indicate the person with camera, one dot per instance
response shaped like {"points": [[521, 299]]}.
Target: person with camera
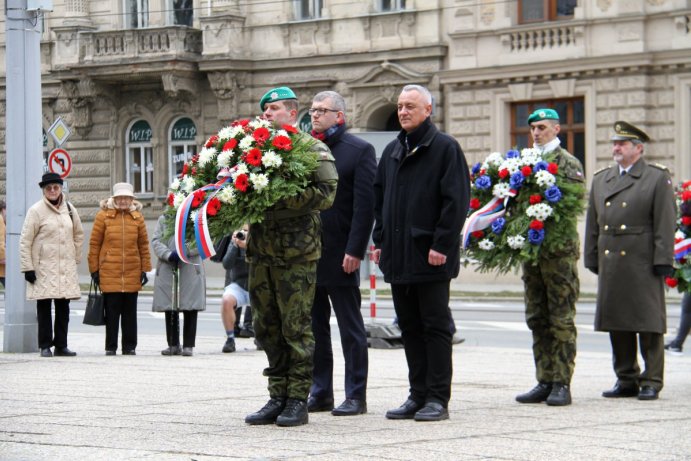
{"points": [[235, 294], [188, 295]]}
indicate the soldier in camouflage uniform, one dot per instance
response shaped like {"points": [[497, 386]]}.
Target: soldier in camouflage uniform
{"points": [[551, 285], [283, 251]]}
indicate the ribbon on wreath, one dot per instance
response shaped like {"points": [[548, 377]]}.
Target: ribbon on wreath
{"points": [[682, 249], [483, 218], [203, 239]]}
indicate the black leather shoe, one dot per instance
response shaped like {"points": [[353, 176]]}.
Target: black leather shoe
{"points": [[129, 353], [110, 352], [315, 404], [64, 352], [405, 411], [294, 414], [560, 395], [46, 352], [229, 346], [432, 411], [172, 350], [268, 413], [648, 393], [350, 407], [621, 391], [538, 394]]}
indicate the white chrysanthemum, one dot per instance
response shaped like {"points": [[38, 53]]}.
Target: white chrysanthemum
{"points": [[227, 132], [246, 143], [501, 190], [178, 199], [175, 185], [545, 179], [240, 168], [223, 159], [193, 215], [271, 159], [282, 133], [495, 159], [516, 242], [530, 152], [187, 184], [530, 157], [259, 180], [679, 235], [511, 164], [260, 122], [539, 211], [485, 244], [226, 195], [206, 155]]}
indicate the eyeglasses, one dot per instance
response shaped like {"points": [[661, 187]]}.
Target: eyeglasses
{"points": [[321, 112], [52, 187]]}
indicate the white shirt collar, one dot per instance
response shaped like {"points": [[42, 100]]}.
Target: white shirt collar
{"points": [[550, 146]]}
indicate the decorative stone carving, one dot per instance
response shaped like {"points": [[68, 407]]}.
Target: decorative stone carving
{"points": [[80, 96], [178, 86], [227, 86], [604, 4]]}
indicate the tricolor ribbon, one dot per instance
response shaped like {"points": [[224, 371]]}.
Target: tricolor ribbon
{"points": [[483, 218], [682, 248], [205, 244]]}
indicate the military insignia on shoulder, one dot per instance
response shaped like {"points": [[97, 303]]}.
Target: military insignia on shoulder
{"points": [[604, 168], [659, 166]]}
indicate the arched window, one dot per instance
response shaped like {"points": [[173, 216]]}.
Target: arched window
{"points": [[182, 145], [140, 164]]}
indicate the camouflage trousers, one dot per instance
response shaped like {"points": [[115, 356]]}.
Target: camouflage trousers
{"points": [[281, 299], [551, 291]]}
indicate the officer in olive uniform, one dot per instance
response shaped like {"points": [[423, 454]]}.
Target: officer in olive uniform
{"points": [[552, 285], [283, 251], [629, 243]]}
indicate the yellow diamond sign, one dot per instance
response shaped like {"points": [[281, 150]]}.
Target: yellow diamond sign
{"points": [[59, 131]]}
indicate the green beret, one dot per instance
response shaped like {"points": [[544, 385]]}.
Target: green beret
{"points": [[624, 131], [277, 94], [543, 114]]}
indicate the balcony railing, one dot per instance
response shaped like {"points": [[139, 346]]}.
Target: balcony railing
{"points": [[552, 37]]}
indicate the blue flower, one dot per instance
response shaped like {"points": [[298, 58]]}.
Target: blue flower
{"points": [[498, 225], [536, 236], [540, 166], [513, 154], [553, 194], [516, 180], [483, 182], [476, 168]]}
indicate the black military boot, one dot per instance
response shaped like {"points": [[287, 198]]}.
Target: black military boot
{"points": [[537, 394], [268, 413], [560, 395], [294, 414]]}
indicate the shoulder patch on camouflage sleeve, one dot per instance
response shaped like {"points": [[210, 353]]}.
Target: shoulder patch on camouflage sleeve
{"points": [[659, 166]]}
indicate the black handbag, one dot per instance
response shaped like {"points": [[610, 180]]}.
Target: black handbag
{"points": [[94, 314]]}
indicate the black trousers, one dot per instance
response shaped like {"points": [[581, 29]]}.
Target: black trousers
{"points": [[121, 308], [625, 359], [346, 305], [423, 316], [189, 328], [45, 320]]}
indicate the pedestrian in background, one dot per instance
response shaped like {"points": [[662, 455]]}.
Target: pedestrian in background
{"points": [[282, 277], [552, 285], [676, 346], [50, 248], [346, 229], [119, 259], [191, 291], [235, 294], [629, 243], [422, 192]]}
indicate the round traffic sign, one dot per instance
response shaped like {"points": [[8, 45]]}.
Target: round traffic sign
{"points": [[60, 162]]}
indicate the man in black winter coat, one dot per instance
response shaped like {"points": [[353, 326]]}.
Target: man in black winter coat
{"points": [[346, 228], [422, 192]]}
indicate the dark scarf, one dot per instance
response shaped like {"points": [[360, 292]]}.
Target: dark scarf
{"points": [[330, 132], [412, 139]]}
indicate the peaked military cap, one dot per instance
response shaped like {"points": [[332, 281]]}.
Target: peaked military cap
{"points": [[276, 94], [543, 114], [624, 131]]}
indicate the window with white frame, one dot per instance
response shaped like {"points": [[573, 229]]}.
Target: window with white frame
{"points": [[391, 5], [136, 14], [181, 12], [308, 9], [140, 158], [182, 146]]}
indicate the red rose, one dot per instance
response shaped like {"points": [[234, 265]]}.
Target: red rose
{"points": [[482, 172], [553, 168], [241, 182], [261, 134], [254, 157], [213, 207], [282, 143], [536, 224], [185, 169], [290, 128], [526, 171], [503, 173], [671, 282], [535, 198], [230, 145], [194, 171], [198, 198], [212, 140], [686, 220], [686, 195], [171, 199], [686, 184], [478, 234], [474, 203]]}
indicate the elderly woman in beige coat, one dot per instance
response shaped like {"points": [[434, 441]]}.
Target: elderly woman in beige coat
{"points": [[50, 250]]}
